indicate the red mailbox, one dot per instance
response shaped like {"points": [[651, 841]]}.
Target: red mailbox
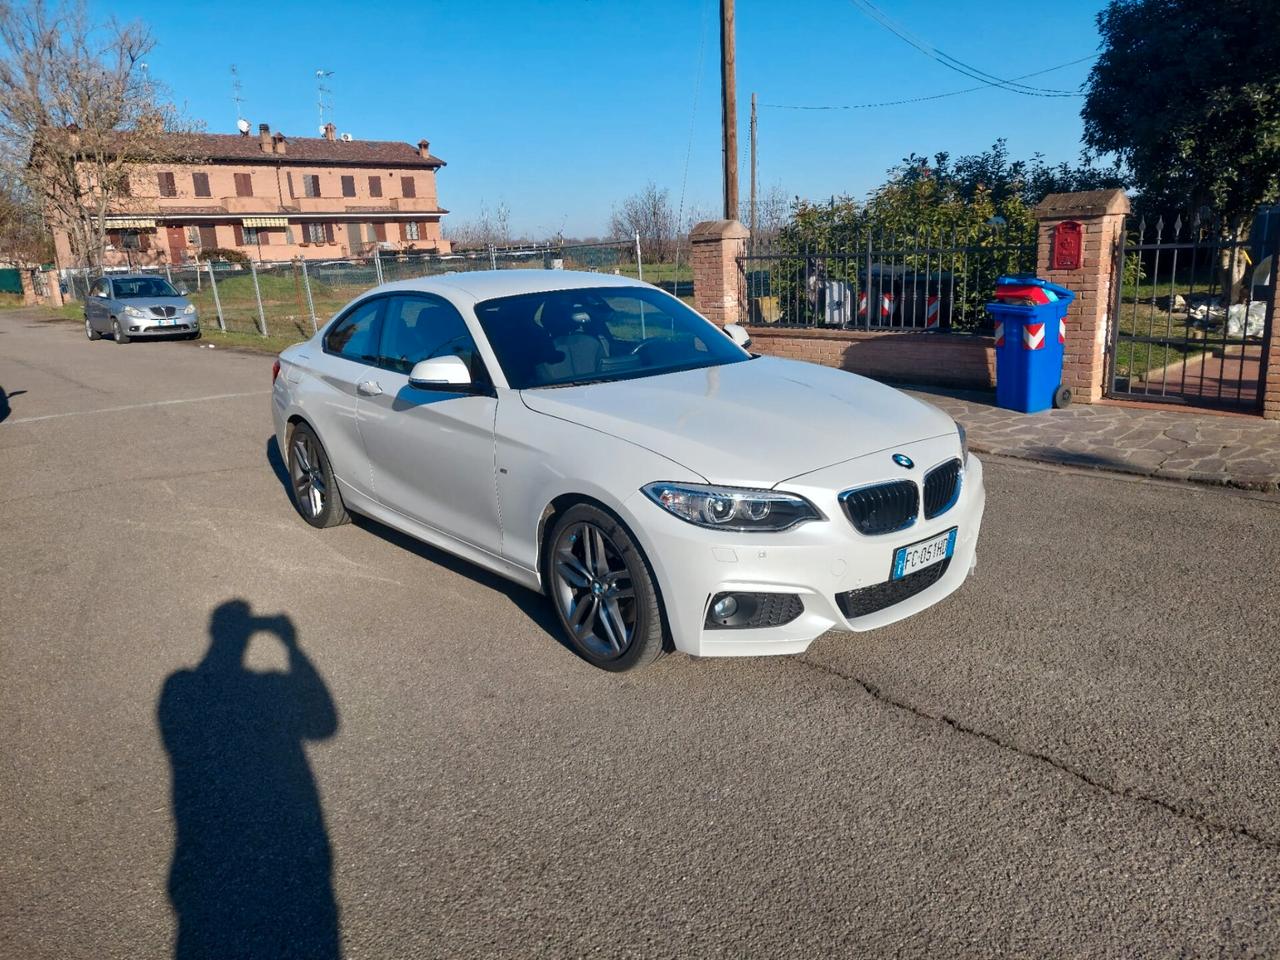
{"points": [[1067, 243]]}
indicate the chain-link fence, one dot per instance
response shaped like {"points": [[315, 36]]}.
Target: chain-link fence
{"points": [[290, 299]]}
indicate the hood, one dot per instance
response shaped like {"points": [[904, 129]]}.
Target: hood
{"points": [[178, 302], [754, 423]]}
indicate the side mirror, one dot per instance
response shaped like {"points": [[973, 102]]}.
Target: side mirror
{"points": [[440, 373], [183, 291], [738, 334]]}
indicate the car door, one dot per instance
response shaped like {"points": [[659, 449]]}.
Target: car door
{"points": [[95, 306], [347, 359], [431, 450]]}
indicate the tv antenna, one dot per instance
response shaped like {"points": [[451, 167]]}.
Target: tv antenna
{"points": [[237, 98], [323, 105]]}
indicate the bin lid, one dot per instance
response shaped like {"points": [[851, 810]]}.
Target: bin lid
{"points": [[1032, 287]]}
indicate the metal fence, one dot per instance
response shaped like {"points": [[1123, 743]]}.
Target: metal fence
{"points": [[883, 281], [291, 299], [1194, 307]]}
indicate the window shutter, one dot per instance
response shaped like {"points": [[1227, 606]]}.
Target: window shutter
{"points": [[208, 237], [328, 233], [348, 186], [375, 186], [407, 188], [244, 185], [380, 231], [167, 186], [422, 230], [144, 239], [289, 177], [200, 183], [238, 230]]}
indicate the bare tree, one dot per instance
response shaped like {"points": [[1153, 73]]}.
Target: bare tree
{"points": [[78, 111], [649, 214], [491, 227], [773, 210], [23, 236]]}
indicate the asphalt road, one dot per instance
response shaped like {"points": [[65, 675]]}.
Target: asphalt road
{"points": [[1075, 755]]}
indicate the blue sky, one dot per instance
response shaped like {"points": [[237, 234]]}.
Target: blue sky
{"points": [[561, 109]]}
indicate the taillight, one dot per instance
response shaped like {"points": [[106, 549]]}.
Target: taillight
{"points": [[275, 370]]}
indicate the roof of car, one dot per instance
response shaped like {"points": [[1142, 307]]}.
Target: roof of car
{"points": [[487, 284], [131, 276]]}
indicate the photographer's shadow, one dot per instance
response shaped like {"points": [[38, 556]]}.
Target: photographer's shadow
{"points": [[252, 870]]}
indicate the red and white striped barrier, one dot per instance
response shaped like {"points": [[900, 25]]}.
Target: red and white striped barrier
{"points": [[999, 333], [1033, 336], [886, 305], [1062, 331], [931, 312]]}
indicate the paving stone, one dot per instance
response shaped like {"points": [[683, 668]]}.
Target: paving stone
{"points": [[1185, 445]]}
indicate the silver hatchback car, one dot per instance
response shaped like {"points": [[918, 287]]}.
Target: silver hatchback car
{"points": [[129, 306]]}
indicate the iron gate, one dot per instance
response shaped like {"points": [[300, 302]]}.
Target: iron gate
{"points": [[1192, 314]]}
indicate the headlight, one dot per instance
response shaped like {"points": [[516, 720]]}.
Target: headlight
{"points": [[189, 309], [964, 443], [134, 312], [732, 508]]}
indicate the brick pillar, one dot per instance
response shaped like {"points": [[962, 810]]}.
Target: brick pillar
{"points": [[1101, 214], [27, 277], [54, 286], [717, 279], [1271, 362]]}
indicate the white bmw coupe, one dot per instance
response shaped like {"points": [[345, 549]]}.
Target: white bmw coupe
{"points": [[594, 438]]}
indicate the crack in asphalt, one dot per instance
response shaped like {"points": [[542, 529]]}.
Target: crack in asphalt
{"points": [[1177, 810]]}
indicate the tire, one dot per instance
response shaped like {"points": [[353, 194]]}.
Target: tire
{"points": [[194, 336], [1062, 397], [619, 627], [315, 490], [117, 332], [89, 332]]}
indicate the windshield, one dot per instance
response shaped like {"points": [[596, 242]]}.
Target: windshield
{"points": [[597, 334], [142, 287]]}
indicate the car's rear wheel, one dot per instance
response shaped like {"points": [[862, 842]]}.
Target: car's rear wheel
{"points": [[315, 490], [117, 331], [603, 590], [89, 332]]}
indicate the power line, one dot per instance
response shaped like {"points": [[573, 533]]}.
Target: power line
{"points": [[933, 96], [951, 63]]}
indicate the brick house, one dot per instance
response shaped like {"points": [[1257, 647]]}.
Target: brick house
{"points": [[274, 198]]}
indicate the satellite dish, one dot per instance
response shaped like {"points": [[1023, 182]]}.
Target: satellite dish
{"points": [[321, 129], [242, 125], [346, 138]]}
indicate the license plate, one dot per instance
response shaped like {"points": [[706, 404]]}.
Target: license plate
{"points": [[167, 321], [925, 553]]}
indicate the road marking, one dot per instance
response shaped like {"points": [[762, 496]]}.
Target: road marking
{"points": [[141, 406]]}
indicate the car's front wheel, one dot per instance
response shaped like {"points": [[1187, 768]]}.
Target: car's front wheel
{"points": [[117, 332], [603, 590], [315, 489]]}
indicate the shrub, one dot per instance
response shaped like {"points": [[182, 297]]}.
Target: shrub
{"points": [[222, 253]]}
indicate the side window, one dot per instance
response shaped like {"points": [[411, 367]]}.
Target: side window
{"points": [[355, 336], [100, 288], [419, 327]]}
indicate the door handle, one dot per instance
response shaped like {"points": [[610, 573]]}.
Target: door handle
{"points": [[369, 388]]}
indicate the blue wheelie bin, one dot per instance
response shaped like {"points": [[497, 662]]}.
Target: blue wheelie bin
{"points": [[1030, 326]]}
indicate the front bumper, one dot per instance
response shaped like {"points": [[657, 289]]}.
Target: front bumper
{"points": [[151, 326], [817, 561]]}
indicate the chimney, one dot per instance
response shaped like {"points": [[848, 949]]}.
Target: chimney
{"points": [[424, 149], [279, 143], [330, 132], [73, 136], [264, 137]]}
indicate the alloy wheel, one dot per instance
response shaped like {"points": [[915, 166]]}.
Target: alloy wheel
{"points": [[307, 476], [594, 590]]}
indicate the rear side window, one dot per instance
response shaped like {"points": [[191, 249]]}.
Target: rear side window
{"points": [[355, 336]]}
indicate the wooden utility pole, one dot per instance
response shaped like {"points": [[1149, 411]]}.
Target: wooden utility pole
{"points": [[729, 110], [753, 166]]}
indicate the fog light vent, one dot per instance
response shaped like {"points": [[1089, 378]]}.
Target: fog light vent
{"points": [[752, 611]]}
